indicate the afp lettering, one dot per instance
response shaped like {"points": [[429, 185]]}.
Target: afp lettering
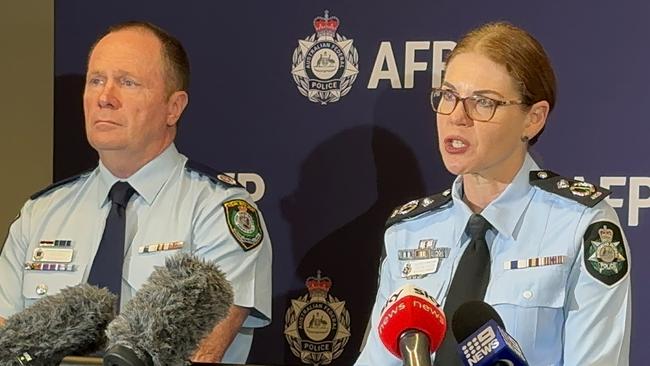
{"points": [[385, 66]]}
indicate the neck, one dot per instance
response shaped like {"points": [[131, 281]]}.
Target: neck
{"points": [[480, 189], [124, 164]]}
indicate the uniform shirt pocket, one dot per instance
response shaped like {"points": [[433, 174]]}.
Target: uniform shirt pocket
{"points": [[38, 284], [141, 265], [529, 287], [530, 301]]}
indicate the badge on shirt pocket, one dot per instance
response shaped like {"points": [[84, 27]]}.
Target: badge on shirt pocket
{"points": [[55, 255], [422, 261]]}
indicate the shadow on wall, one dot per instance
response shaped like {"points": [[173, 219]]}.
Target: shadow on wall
{"points": [[336, 179], [72, 153]]}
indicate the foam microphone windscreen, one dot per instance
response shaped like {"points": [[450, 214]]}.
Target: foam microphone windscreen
{"points": [[70, 322], [472, 315], [175, 309]]}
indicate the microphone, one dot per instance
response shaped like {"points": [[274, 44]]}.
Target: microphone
{"points": [[69, 322], [412, 325], [175, 309], [482, 339]]}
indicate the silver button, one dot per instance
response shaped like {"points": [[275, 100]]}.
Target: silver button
{"points": [[528, 294], [542, 175], [41, 289]]}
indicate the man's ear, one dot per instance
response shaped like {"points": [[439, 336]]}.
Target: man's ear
{"points": [[175, 106]]}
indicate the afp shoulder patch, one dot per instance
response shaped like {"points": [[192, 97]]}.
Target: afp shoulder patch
{"points": [[244, 223], [215, 176], [58, 184], [582, 192], [417, 207], [604, 252]]}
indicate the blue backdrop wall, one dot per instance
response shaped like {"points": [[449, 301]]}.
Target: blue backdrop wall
{"points": [[327, 160]]}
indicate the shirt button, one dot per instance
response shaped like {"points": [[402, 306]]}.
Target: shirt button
{"points": [[41, 289], [528, 294]]}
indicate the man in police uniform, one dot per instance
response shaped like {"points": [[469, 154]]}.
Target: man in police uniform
{"points": [[135, 93]]}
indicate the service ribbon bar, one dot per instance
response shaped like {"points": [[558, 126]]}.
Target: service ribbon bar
{"points": [[58, 267], [535, 262], [161, 247]]}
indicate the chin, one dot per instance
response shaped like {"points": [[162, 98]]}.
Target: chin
{"points": [[454, 165], [107, 144]]}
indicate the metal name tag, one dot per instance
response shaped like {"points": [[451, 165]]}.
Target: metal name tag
{"points": [[54, 255], [420, 268]]}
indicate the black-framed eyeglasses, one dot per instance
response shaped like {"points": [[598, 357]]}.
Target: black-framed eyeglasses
{"points": [[477, 107]]}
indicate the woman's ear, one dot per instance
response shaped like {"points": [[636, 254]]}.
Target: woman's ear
{"points": [[536, 119]]}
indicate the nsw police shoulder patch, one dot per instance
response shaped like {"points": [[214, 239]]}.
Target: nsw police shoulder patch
{"points": [[604, 252], [244, 223]]}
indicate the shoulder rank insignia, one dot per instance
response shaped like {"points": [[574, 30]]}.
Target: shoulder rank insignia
{"points": [[244, 223], [417, 207], [604, 252], [60, 183], [221, 179], [582, 192]]}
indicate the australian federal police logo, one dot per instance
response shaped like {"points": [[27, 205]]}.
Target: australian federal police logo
{"points": [[317, 325], [325, 64], [604, 252]]}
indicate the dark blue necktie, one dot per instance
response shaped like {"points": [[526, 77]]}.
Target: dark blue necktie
{"points": [[106, 270], [469, 283]]}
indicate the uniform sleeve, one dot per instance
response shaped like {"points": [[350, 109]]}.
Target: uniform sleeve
{"points": [[598, 305], [374, 353], [11, 265], [232, 232]]}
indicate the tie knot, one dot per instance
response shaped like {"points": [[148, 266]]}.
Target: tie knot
{"points": [[477, 226], [121, 193]]}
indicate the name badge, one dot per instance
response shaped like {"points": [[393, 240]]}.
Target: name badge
{"points": [[420, 268], [161, 247], [52, 255]]}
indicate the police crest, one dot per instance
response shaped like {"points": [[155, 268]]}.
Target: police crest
{"points": [[325, 64], [604, 252], [317, 325]]}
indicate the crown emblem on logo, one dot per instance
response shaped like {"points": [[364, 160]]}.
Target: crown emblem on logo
{"points": [[606, 235], [326, 26], [318, 286]]}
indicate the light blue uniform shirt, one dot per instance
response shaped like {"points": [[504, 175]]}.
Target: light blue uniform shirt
{"points": [[172, 203], [559, 314]]}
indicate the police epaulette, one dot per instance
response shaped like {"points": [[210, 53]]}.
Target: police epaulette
{"points": [[417, 207], [59, 184], [581, 192], [214, 176]]}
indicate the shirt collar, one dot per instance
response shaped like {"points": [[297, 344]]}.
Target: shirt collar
{"points": [[147, 181], [506, 210]]}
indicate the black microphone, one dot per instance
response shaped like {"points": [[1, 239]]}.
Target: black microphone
{"points": [[70, 322], [482, 339], [174, 310]]}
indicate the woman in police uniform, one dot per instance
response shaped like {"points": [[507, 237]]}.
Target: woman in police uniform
{"points": [[557, 263]]}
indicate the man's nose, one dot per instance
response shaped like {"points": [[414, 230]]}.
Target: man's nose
{"points": [[109, 98]]}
